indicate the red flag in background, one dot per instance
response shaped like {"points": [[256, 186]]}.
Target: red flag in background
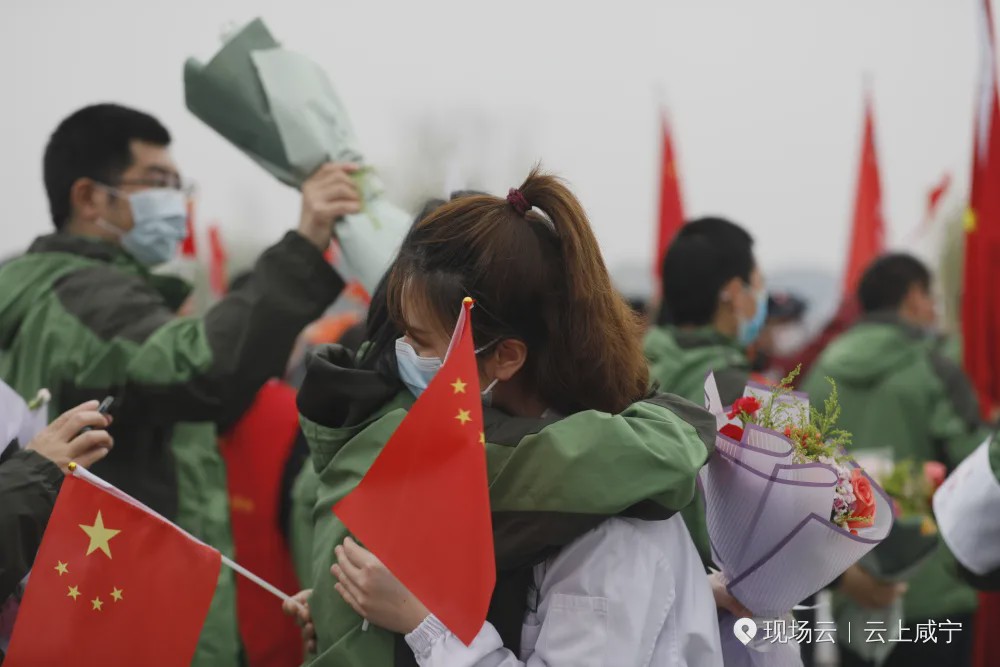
{"points": [[980, 284], [671, 205], [189, 247], [112, 584], [218, 277], [980, 288], [868, 227], [934, 196], [256, 450], [423, 508]]}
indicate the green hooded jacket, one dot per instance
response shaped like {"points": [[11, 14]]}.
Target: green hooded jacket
{"points": [[551, 480], [679, 362], [897, 391], [80, 317]]}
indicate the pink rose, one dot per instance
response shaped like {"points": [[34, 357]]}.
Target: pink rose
{"points": [[864, 501], [935, 472]]}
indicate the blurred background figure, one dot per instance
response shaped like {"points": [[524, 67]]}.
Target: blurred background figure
{"points": [[784, 335], [899, 394]]}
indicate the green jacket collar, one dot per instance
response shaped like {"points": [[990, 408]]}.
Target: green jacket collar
{"points": [[173, 290], [891, 318], [703, 337]]}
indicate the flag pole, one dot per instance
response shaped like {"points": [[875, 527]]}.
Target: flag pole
{"points": [[255, 579], [87, 476]]}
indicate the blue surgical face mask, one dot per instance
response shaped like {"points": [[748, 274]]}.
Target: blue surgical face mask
{"points": [[159, 217], [416, 371], [750, 329]]}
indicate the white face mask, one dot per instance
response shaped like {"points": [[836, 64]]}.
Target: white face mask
{"points": [[416, 372], [159, 217], [789, 339]]}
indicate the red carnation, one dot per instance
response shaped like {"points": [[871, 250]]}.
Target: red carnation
{"points": [[747, 405], [732, 431]]}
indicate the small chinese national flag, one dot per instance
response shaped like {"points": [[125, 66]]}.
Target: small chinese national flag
{"points": [[423, 508], [112, 584]]}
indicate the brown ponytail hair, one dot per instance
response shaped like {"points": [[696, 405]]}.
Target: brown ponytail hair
{"points": [[537, 277]]}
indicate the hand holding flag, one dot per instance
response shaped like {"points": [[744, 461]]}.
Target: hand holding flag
{"points": [[423, 507], [107, 567]]}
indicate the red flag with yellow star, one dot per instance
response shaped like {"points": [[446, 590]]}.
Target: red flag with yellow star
{"points": [[112, 584], [423, 508]]}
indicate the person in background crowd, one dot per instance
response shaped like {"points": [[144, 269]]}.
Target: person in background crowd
{"points": [[81, 313], [714, 305], [897, 391], [544, 385], [30, 479], [784, 334]]}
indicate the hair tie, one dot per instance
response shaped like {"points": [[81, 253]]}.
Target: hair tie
{"points": [[520, 203]]}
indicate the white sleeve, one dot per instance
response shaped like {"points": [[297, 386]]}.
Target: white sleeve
{"points": [[434, 646], [602, 603]]}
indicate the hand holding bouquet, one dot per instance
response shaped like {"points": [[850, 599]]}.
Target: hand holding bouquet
{"points": [[787, 510]]}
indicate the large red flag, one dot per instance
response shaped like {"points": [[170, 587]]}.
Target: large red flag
{"points": [[112, 584], [868, 226], [980, 288], [981, 285], [423, 508], [671, 205], [218, 276]]}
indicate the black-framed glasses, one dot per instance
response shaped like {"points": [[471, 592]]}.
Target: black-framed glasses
{"points": [[171, 182]]}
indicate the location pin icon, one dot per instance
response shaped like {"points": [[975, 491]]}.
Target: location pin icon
{"points": [[745, 630]]}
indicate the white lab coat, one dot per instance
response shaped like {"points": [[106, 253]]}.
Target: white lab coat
{"points": [[627, 593]]}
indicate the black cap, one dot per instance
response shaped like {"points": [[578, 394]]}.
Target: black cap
{"points": [[785, 306]]}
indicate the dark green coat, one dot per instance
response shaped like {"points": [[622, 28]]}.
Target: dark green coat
{"points": [[679, 362], [551, 480], [29, 484], [83, 319], [899, 392]]}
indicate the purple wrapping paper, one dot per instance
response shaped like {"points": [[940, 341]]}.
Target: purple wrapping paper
{"points": [[769, 524]]}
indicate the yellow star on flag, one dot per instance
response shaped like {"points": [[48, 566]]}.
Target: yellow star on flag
{"points": [[482, 439], [458, 386], [969, 220], [74, 592], [61, 568], [99, 536], [97, 604], [117, 594], [463, 416]]}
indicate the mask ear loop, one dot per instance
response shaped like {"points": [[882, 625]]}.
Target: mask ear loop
{"points": [[105, 224], [489, 387]]}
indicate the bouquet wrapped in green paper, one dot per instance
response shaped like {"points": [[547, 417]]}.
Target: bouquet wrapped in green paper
{"points": [[280, 108]]}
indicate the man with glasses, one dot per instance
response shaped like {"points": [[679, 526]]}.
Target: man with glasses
{"points": [[82, 315]]}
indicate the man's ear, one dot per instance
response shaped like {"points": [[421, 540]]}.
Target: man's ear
{"points": [[87, 199]]}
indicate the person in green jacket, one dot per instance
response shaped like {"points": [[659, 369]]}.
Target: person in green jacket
{"points": [[82, 314], [573, 435], [901, 395], [714, 305]]}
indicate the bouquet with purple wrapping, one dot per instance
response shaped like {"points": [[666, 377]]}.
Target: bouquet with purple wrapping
{"points": [[787, 511], [912, 541]]}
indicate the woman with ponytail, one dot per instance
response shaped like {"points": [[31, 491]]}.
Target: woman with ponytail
{"points": [[587, 468]]}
